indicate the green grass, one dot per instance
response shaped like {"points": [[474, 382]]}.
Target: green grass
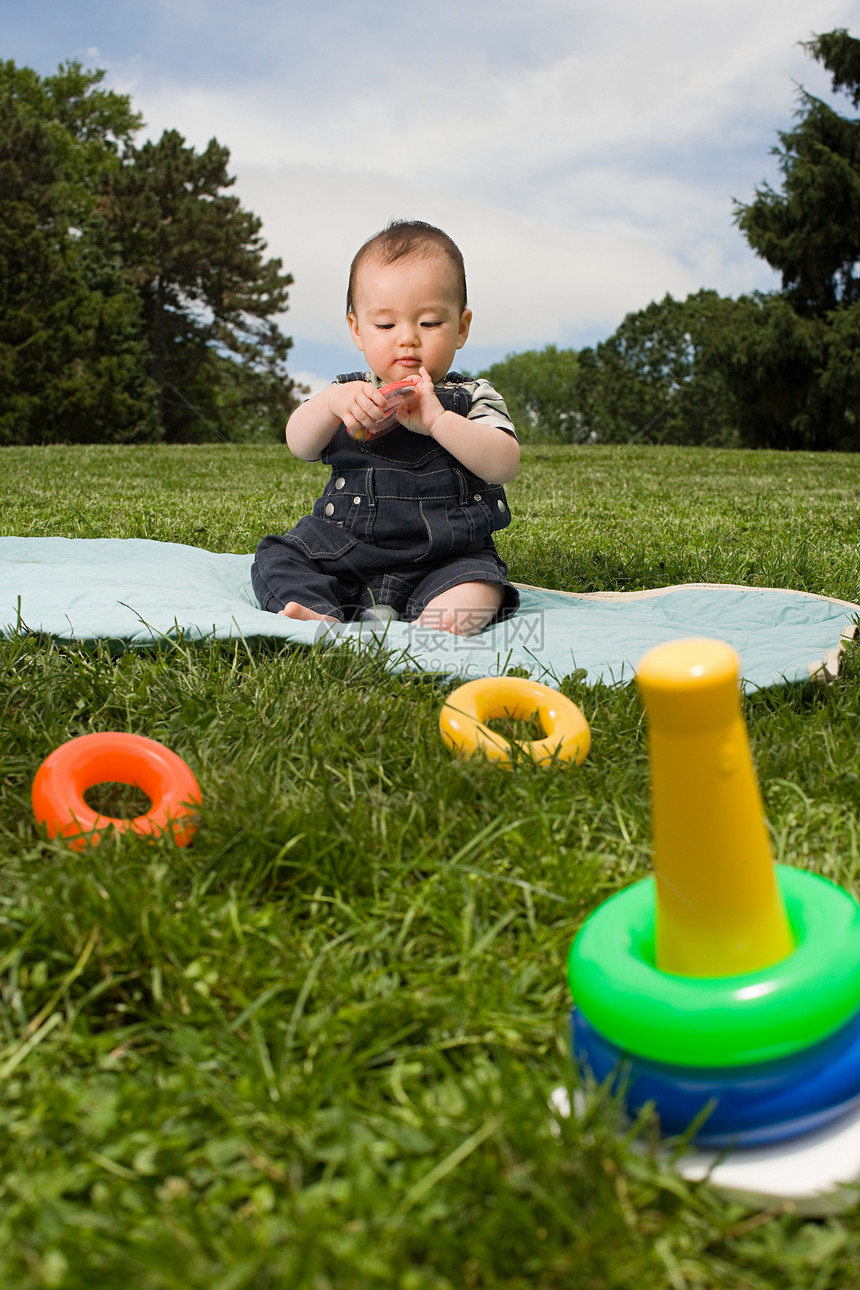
{"points": [[313, 1049]]}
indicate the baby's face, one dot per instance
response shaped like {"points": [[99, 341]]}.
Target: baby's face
{"points": [[408, 316]]}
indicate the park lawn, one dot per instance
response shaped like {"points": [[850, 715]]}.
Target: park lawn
{"points": [[314, 1048]]}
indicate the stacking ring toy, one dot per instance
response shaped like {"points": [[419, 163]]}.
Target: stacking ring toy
{"points": [[114, 757], [720, 1020], [461, 721], [752, 1105]]}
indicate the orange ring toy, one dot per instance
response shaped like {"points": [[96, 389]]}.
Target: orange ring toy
{"points": [[461, 721], [114, 757]]}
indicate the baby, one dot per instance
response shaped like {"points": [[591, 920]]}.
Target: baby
{"points": [[403, 528]]}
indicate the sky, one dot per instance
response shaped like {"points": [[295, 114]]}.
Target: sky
{"points": [[583, 155]]}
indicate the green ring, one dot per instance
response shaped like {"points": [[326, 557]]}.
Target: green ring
{"points": [[728, 1020]]}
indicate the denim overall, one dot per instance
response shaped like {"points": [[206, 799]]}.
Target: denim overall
{"points": [[400, 521]]}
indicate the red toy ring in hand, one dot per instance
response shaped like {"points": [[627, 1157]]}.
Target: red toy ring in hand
{"points": [[397, 395], [114, 757]]}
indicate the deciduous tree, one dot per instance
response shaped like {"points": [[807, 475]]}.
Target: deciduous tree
{"points": [[650, 380], [541, 391]]}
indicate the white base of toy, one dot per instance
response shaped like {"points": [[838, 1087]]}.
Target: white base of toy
{"points": [[818, 1173]]}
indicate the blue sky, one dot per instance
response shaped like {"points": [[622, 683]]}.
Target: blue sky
{"points": [[584, 156]]}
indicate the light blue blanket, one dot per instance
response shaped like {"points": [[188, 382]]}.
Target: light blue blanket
{"points": [[136, 592]]}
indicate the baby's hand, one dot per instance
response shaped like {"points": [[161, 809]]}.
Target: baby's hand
{"points": [[426, 408], [397, 395], [358, 405]]}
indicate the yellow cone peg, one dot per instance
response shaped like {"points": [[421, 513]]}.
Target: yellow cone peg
{"points": [[706, 992], [719, 911]]}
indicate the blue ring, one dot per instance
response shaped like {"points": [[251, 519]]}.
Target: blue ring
{"points": [[759, 1103]]}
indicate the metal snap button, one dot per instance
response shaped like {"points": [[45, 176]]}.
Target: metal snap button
{"points": [[356, 500], [501, 505], [339, 483], [329, 510], [477, 497]]}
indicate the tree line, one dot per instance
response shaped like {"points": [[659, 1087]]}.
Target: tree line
{"points": [[136, 300], [768, 370], [137, 303]]}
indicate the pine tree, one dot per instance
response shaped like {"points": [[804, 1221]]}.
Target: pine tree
{"points": [[134, 290], [209, 296], [72, 351], [793, 358]]}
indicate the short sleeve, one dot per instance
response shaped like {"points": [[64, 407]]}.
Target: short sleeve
{"points": [[488, 405]]}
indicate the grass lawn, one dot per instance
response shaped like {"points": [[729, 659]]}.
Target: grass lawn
{"points": [[313, 1050]]}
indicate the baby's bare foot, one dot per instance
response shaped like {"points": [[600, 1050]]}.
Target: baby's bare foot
{"points": [[292, 609]]}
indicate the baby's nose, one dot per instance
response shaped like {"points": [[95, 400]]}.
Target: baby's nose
{"points": [[408, 334]]}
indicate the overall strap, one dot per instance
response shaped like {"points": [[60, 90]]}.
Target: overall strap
{"points": [[457, 400]]}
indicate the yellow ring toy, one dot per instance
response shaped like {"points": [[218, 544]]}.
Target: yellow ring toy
{"points": [[461, 721]]}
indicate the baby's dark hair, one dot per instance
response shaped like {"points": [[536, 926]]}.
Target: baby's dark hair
{"points": [[403, 240]]}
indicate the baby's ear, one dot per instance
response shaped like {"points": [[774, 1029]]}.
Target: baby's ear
{"points": [[465, 324], [353, 330]]}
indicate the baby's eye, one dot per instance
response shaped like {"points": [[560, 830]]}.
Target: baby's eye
{"points": [[384, 326], [431, 324]]}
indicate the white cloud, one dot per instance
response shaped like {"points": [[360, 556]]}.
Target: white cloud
{"points": [[312, 381], [585, 158]]}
